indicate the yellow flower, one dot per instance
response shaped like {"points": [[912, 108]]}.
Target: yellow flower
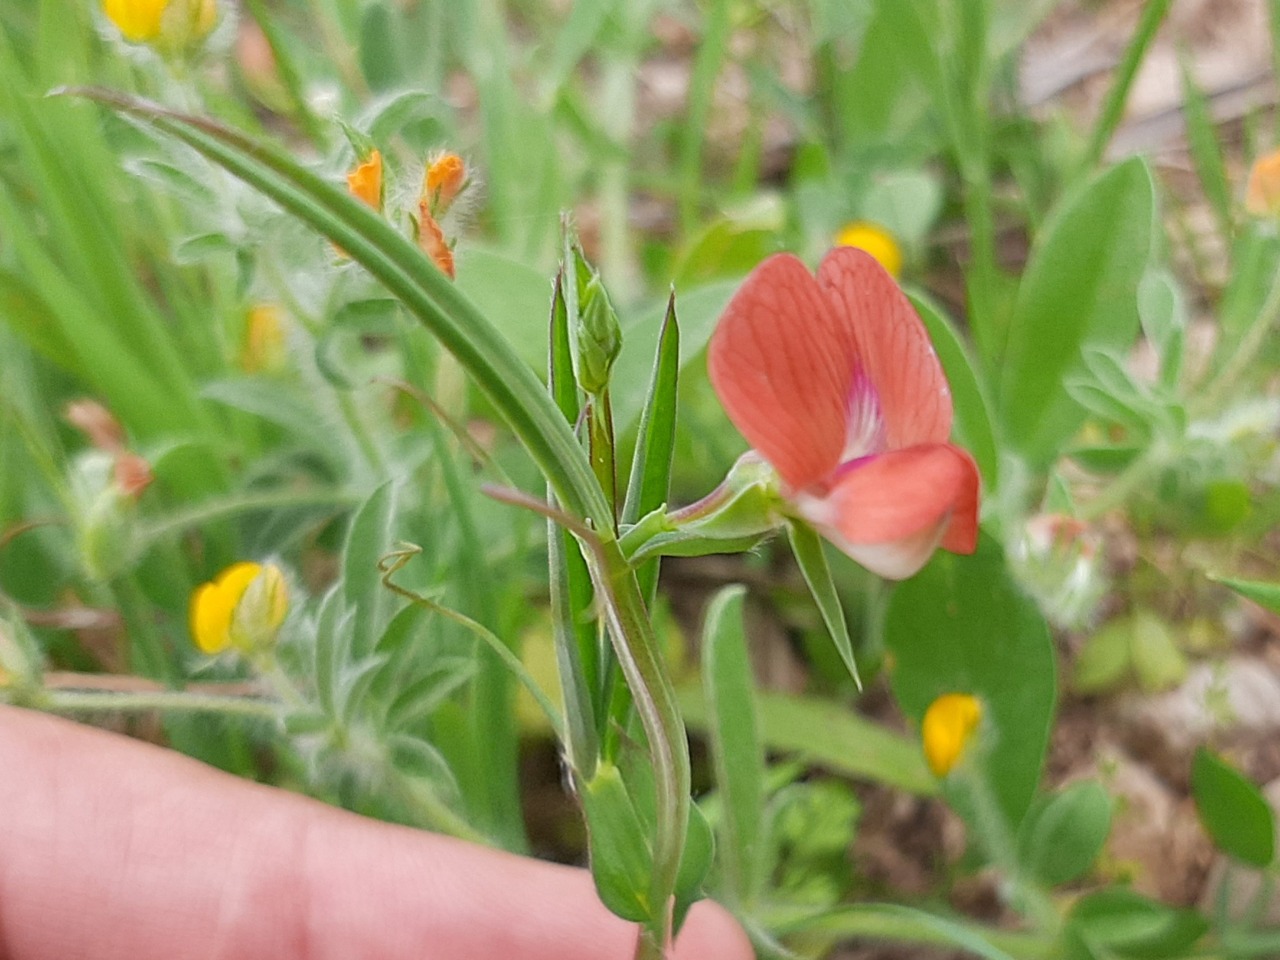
{"points": [[1262, 195], [949, 724], [243, 607], [365, 181], [138, 20], [171, 25], [875, 240], [263, 349], [446, 177]]}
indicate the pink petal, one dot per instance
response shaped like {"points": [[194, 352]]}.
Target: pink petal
{"points": [[783, 364], [889, 512], [893, 346]]}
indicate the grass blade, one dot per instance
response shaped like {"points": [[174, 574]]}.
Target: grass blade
{"points": [[735, 742]]}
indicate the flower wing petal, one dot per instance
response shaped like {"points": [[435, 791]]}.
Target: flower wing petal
{"points": [[783, 365], [892, 345], [890, 512]]}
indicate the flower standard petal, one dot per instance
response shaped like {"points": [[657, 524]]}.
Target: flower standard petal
{"points": [[783, 365], [889, 512], [892, 345]]}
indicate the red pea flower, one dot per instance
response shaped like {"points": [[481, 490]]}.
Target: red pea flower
{"points": [[834, 382]]}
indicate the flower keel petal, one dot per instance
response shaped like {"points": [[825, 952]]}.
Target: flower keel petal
{"points": [[889, 512]]}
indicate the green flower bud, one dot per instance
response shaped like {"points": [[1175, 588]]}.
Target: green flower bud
{"points": [[597, 337]]}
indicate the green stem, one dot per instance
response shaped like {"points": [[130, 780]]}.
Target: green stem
{"points": [[638, 655], [993, 830], [230, 506], [165, 701], [1245, 352], [431, 810], [1133, 478]]}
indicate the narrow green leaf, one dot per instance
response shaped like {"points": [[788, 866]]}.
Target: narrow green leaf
{"points": [[902, 924], [708, 61], [1163, 313], [850, 745], [695, 864], [648, 487], [1265, 594], [972, 428], [1064, 833], [577, 650], [735, 742], [1153, 14], [651, 466], [1092, 256], [1206, 149], [807, 548], [1233, 810], [369, 539], [962, 625]]}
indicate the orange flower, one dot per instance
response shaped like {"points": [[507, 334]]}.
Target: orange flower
{"points": [[97, 423], [1262, 195], [445, 178], [431, 240], [365, 181], [132, 474], [835, 383]]}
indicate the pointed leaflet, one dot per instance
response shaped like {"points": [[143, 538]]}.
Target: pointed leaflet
{"points": [[783, 366], [655, 442], [369, 538], [577, 654], [735, 742], [1233, 810], [893, 347], [1264, 594], [807, 547]]}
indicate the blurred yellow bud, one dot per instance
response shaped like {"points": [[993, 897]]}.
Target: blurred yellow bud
{"points": [[264, 341], [1262, 195], [172, 25], [949, 724], [138, 20], [445, 178], [875, 240], [365, 181], [243, 607]]}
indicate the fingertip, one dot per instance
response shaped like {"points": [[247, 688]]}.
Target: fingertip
{"points": [[712, 933]]}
